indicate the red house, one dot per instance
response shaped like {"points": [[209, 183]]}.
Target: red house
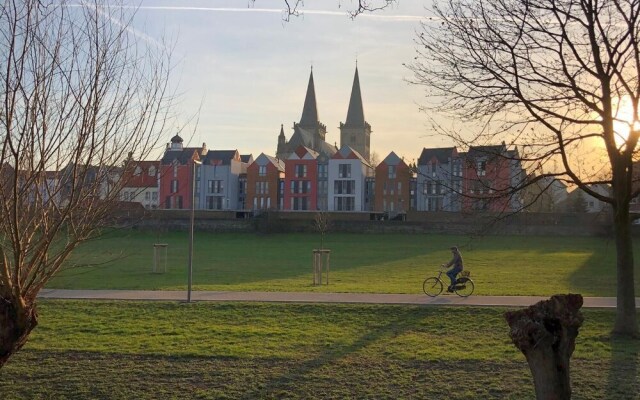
{"points": [[392, 191], [263, 181], [301, 180], [176, 174], [487, 176]]}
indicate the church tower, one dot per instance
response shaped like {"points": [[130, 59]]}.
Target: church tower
{"points": [[356, 132], [309, 120]]}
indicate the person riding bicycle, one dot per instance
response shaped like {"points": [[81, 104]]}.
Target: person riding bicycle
{"points": [[457, 267]]}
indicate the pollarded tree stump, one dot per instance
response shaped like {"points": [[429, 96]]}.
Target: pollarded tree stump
{"points": [[546, 334]]}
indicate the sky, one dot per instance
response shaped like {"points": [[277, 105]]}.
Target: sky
{"points": [[247, 70]]}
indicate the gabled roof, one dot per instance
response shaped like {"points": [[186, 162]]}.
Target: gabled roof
{"points": [[221, 157], [355, 114], [303, 152], [264, 159], [393, 159], [142, 179], [182, 156], [304, 137], [246, 158], [309, 116], [347, 153], [487, 151], [442, 155]]}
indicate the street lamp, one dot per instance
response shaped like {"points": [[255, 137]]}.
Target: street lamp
{"points": [[193, 208]]}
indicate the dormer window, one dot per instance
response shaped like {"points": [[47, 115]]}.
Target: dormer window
{"points": [[137, 171], [152, 171]]}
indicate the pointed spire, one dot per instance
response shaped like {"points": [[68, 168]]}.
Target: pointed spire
{"points": [[310, 111], [355, 115]]}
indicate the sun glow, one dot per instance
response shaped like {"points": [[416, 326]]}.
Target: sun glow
{"points": [[625, 121]]}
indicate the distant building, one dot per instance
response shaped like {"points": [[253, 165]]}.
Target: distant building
{"points": [[439, 180], [393, 186], [219, 181], [177, 174], [593, 204], [140, 183], [348, 171], [263, 183], [301, 180], [355, 132], [634, 205], [489, 177]]}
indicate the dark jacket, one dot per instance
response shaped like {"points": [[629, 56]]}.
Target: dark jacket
{"points": [[456, 261]]}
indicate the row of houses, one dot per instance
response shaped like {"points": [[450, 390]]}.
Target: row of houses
{"points": [[307, 174]]}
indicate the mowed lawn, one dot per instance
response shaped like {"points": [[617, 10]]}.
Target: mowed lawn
{"points": [[159, 350], [378, 263]]}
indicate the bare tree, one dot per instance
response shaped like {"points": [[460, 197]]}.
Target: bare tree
{"points": [[553, 78], [80, 91], [292, 8]]}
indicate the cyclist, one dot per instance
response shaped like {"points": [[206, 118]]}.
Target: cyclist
{"points": [[457, 267]]}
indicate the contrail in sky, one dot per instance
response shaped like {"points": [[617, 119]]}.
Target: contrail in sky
{"points": [[272, 11]]}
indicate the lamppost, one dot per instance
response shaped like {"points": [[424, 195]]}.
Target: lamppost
{"points": [[193, 208]]}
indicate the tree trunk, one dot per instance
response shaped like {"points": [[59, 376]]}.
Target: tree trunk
{"points": [[16, 323], [626, 319], [546, 334]]}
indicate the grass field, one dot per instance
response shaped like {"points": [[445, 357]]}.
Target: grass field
{"points": [[158, 350], [392, 263]]}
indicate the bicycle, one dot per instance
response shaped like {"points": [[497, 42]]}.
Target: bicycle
{"points": [[434, 285]]}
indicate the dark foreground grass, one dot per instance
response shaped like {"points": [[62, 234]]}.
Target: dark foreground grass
{"points": [[360, 263], [158, 350]]}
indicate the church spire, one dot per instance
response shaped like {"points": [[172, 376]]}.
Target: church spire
{"points": [[310, 111], [355, 114]]}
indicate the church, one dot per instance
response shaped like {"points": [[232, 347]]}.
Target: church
{"points": [[355, 132]]}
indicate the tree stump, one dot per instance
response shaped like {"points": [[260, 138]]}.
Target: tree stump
{"points": [[545, 333]]}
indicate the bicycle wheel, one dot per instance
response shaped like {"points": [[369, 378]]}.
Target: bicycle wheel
{"points": [[432, 286], [464, 287]]}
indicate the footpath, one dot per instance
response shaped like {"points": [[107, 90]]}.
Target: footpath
{"points": [[311, 297]]}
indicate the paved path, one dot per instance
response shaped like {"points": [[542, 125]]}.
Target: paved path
{"points": [[308, 297]]}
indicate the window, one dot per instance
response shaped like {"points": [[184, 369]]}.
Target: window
{"points": [[344, 203], [300, 187], [137, 171], [215, 186], [214, 202], [300, 203], [300, 171], [434, 204], [457, 169], [262, 187], [399, 187], [481, 167], [344, 171], [152, 171], [323, 171], [262, 170], [147, 196], [154, 196], [175, 169], [434, 166], [344, 187], [323, 188], [174, 186], [392, 171]]}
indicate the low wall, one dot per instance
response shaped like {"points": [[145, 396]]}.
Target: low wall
{"points": [[413, 223]]}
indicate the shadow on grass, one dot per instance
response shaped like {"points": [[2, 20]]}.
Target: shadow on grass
{"points": [[393, 327], [624, 377], [599, 271], [232, 259]]}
